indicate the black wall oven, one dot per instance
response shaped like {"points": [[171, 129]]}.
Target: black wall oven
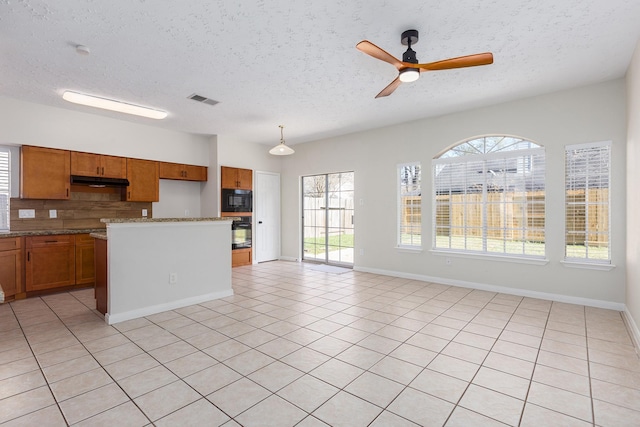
{"points": [[236, 200], [241, 232]]}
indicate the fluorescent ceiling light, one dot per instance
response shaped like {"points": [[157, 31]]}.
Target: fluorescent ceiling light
{"points": [[110, 104]]}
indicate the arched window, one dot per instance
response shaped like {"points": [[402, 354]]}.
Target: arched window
{"points": [[489, 197]]}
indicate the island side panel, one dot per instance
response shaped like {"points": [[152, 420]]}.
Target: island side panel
{"points": [[144, 258]]}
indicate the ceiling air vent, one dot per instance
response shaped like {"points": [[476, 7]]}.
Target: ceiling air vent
{"points": [[202, 99]]}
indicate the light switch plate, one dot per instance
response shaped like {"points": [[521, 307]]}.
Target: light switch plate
{"points": [[53, 213], [26, 213]]}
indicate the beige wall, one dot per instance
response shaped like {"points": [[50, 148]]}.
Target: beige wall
{"points": [[587, 114], [633, 192], [24, 123]]}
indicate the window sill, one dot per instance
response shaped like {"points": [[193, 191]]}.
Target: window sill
{"points": [[408, 249], [588, 265], [503, 258]]}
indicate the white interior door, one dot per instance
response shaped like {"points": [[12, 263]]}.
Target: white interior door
{"points": [[266, 216]]}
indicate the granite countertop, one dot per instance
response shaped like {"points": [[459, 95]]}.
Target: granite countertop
{"points": [[143, 220], [49, 232], [100, 233]]}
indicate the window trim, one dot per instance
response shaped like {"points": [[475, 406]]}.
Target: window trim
{"points": [[399, 244]]}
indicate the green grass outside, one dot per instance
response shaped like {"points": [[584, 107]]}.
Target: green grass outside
{"points": [[316, 245]]}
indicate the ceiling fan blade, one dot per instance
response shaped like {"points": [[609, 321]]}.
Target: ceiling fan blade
{"points": [[459, 62], [371, 49], [389, 89]]}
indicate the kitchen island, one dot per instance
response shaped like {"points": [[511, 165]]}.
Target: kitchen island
{"points": [[155, 265]]}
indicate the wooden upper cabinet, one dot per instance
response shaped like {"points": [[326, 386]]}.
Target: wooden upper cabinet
{"points": [[195, 173], [44, 173], [236, 178], [182, 172], [144, 185], [88, 164]]}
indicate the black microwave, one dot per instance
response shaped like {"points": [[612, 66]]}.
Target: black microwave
{"points": [[236, 200]]}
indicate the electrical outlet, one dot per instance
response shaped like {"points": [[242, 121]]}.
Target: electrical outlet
{"points": [[144, 213], [53, 213], [173, 278], [187, 213], [448, 261], [26, 213], [361, 251]]}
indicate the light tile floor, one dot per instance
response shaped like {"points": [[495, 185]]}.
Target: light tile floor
{"points": [[306, 348]]}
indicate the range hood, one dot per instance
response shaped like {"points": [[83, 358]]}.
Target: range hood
{"points": [[98, 181]]}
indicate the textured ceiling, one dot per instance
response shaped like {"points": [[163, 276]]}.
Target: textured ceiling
{"points": [[271, 62]]}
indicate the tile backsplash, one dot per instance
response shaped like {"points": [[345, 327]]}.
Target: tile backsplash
{"points": [[82, 211]]}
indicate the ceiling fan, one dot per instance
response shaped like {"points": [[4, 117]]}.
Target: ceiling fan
{"points": [[409, 70]]}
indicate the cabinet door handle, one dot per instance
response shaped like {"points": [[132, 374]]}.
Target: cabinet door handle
{"points": [[103, 170], [51, 241], [67, 192], [28, 255], [97, 170]]}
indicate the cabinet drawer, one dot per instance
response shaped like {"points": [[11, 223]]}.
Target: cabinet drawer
{"points": [[84, 239], [10, 243], [240, 257], [56, 239]]}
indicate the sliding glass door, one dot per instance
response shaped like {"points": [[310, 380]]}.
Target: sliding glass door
{"points": [[327, 218]]}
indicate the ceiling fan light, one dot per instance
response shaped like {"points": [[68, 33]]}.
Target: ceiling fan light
{"points": [[409, 75]]}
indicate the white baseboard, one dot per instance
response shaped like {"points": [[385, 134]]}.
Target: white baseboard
{"points": [[288, 258], [632, 326], [147, 311], [502, 289]]}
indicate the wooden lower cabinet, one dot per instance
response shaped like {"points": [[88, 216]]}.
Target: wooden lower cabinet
{"points": [[49, 262], [85, 270], [58, 261], [240, 257], [11, 266]]}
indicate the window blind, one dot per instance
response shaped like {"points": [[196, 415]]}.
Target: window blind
{"points": [[587, 202], [491, 203], [409, 205], [4, 189]]}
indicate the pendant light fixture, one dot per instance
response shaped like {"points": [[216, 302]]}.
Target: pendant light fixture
{"points": [[281, 149]]}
